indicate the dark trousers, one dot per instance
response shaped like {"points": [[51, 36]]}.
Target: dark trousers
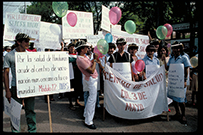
{"points": [[29, 110]]}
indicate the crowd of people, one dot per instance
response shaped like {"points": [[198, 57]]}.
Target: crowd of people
{"points": [[87, 68]]}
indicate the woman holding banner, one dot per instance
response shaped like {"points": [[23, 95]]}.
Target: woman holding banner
{"points": [[88, 68], [179, 58]]}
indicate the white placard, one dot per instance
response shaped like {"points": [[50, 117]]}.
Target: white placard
{"points": [[41, 73], [83, 27], [93, 39], [176, 80], [24, 23], [151, 69], [48, 39], [13, 110], [105, 22], [124, 69]]}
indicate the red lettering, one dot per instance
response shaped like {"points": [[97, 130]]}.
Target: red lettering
{"points": [[142, 95], [124, 94], [111, 77], [137, 86], [134, 96], [105, 75], [128, 106], [153, 81], [122, 91], [134, 107]]}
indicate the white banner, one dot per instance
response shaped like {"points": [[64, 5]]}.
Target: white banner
{"points": [[134, 100], [41, 73], [176, 80], [24, 23], [83, 27], [49, 36]]}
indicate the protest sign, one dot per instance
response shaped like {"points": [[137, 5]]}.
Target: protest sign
{"points": [[134, 100], [13, 110], [151, 69], [124, 69], [48, 39], [93, 39], [140, 40], [176, 80], [41, 73], [83, 27], [24, 23], [105, 22]]}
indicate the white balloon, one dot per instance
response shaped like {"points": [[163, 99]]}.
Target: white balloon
{"points": [[55, 29]]}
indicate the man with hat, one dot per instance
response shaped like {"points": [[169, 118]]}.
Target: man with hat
{"points": [[22, 43], [88, 68], [121, 56], [178, 57]]}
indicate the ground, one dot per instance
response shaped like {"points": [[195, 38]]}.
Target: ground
{"points": [[68, 121]]}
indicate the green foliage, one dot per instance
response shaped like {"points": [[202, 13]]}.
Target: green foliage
{"points": [[147, 15]]}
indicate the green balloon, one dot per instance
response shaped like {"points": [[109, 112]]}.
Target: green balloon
{"points": [[60, 8], [103, 46], [161, 32], [130, 26]]}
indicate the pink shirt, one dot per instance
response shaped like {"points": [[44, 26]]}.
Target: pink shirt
{"points": [[83, 62]]}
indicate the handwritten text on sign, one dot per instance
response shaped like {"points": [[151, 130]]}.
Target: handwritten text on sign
{"points": [[41, 73], [24, 23], [176, 80], [83, 27]]}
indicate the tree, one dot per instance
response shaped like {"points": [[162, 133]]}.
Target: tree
{"points": [[147, 15]]}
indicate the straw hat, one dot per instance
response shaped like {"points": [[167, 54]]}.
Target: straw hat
{"points": [[81, 43]]}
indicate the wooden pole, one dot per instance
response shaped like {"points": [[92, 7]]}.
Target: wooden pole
{"points": [[103, 113], [50, 121], [167, 115], [104, 102]]}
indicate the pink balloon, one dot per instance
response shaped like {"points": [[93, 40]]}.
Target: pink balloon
{"points": [[115, 15], [72, 19], [169, 28], [98, 52], [139, 65]]}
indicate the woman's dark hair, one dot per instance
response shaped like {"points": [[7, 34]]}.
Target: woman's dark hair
{"points": [[79, 49], [159, 50]]}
